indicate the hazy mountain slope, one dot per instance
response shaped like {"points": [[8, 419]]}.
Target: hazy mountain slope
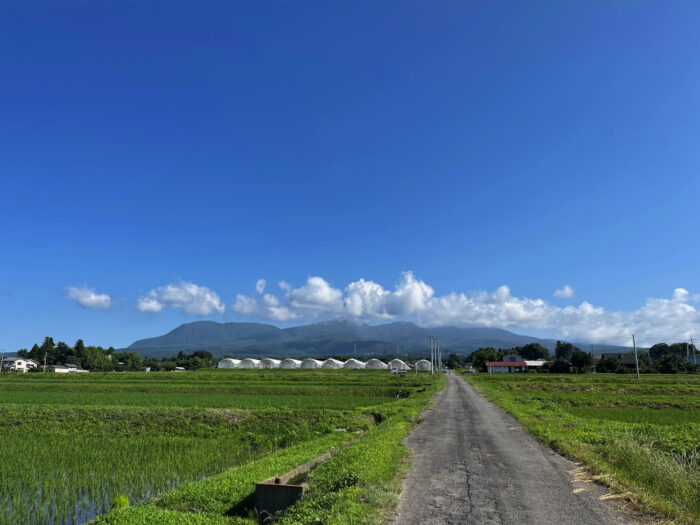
{"points": [[337, 337]]}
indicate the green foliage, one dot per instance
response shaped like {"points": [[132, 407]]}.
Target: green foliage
{"points": [[481, 356], [152, 515], [581, 361], [560, 366], [565, 350], [608, 364], [120, 501]]}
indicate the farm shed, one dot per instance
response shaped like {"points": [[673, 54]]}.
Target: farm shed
{"points": [[398, 364], [229, 363], [332, 363], [353, 363], [311, 363], [423, 364], [535, 364], [505, 367], [290, 363], [376, 364], [268, 362], [250, 363]]}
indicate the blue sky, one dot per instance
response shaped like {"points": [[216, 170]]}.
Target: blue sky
{"points": [[159, 158]]}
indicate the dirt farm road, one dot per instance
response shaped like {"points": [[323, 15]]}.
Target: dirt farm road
{"points": [[474, 464]]}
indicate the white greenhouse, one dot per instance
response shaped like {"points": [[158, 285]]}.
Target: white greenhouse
{"points": [[268, 362], [398, 364], [229, 363], [250, 363], [353, 364], [376, 364], [290, 363], [311, 363], [423, 364], [332, 363]]}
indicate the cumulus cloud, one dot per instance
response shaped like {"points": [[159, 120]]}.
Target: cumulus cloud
{"points": [[411, 298], [88, 298], [260, 285], [191, 298], [564, 293]]}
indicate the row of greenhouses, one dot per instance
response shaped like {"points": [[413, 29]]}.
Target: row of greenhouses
{"points": [[309, 363]]}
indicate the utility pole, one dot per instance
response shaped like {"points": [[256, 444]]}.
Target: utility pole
{"points": [[432, 355], [636, 361], [692, 345], [45, 361], [2, 360]]}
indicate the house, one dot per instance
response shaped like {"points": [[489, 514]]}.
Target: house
{"points": [[18, 364], [495, 367], [626, 359], [513, 358]]}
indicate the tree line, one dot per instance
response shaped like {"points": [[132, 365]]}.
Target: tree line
{"points": [[568, 358], [98, 359]]}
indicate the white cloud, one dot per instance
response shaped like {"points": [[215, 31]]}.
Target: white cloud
{"points": [[191, 298], [564, 293], [260, 285], [88, 298], [658, 319]]}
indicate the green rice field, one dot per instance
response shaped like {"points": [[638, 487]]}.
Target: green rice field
{"points": [[137, 446], [641, 436]]}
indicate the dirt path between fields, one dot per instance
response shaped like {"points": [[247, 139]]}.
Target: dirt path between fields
{"points": [[474, 464]]}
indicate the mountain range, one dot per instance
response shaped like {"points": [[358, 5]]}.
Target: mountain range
{"points": [[337, 337]]}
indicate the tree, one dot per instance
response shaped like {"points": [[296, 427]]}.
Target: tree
{"points": [[480, 356], [564, 350], [658, 351], [671, 364], [152, 363], [560, 366], [581, 361], [452, 361], [608, 364], [534, 351]]}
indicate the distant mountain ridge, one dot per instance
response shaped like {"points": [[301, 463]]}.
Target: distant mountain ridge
{"points": [[338, 337]]}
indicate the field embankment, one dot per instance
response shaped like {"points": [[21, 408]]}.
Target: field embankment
{"points": [[642, 437], [75, 447]]}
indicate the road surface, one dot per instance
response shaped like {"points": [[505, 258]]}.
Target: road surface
{"points": [[474, 464]]}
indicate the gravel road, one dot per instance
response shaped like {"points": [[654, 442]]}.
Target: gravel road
{"points": [[474, 464]]}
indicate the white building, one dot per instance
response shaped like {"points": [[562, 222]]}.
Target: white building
{"points": [[229, 363], [332, 363], [250, 363], [354, 364], [268, 362], [290, 363], [376, 364], [398, 364], [18, 364], [535, 364], [423, 364], [311, 363]]}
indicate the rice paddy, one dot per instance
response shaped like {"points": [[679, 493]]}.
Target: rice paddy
{"points": [[74, 447]]}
